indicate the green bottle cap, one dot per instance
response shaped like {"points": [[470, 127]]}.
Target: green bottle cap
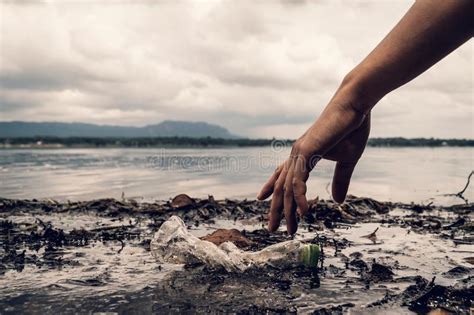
{"points": [[309, 255]]}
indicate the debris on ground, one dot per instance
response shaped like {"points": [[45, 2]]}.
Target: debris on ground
{"points": [[35, 238]]}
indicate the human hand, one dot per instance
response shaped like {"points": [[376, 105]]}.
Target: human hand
{"points": [[416, 43], [340, 134]]}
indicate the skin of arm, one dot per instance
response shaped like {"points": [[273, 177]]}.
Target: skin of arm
{"points": [[430, 30]]}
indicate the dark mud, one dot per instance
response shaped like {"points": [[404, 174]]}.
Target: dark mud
{"points": [[86, 257]]}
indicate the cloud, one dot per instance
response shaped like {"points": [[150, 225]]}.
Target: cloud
{"points": [[260, 68]]}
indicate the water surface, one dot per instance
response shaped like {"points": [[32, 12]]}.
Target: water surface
{"points": [[396, 174]]}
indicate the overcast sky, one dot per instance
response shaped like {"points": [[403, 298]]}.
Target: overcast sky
{"points": [[260, 68]]}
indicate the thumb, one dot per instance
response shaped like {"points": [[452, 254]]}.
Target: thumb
{"points": [[341, 180]]}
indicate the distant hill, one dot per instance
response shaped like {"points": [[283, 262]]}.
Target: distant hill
{"points": [[167, 128]]}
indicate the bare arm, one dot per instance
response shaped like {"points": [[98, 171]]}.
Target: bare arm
{"points": [[429, 31]]}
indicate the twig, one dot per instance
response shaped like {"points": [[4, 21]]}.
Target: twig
{"points": [[372, 236], [44, 225], [467, 184], [460, 194], [121, 248]]}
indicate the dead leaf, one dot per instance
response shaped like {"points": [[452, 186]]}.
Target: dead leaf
{"points": [[224, 235], [182, 201]]}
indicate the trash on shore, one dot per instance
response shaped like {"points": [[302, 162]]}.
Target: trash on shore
{"points": [[89, 253], [174, 244]]}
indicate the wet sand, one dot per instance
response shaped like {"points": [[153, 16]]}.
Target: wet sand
{"points": [[94, 256]]}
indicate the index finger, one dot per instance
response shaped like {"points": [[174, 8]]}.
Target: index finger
{"points": [[289, 201], [300, 176], [303, 167]]}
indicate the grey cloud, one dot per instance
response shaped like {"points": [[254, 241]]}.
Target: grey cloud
{"points": [[7, 106], [51, 77], [257, 67], [294, 2]]}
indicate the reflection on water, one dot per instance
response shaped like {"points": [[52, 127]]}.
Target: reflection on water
{"points": [[397, 174]]}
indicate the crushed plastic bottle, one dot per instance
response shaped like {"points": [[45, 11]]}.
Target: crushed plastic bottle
{"points": [[174, 244]]}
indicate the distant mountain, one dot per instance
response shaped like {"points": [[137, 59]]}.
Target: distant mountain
{"points": [[167, 128]]}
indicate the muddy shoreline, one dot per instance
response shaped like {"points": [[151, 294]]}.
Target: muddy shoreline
{"points": [[376, 256]]}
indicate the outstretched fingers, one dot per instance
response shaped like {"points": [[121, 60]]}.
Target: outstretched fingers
{"points": [[288, 186]]}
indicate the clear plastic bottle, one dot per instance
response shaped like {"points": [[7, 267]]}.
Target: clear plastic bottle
{"points": [[174, 244]]}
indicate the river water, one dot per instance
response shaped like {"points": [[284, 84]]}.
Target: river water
{"points": [[390, 174]]}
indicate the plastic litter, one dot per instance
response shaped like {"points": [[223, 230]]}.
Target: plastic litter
{"points": [[175, 245]]}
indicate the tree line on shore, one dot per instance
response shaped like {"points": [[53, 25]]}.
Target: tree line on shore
{"points": [[209, 142]]}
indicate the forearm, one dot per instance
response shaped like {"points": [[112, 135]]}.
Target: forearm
{"points": [[429, 31], [337, 120]]}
